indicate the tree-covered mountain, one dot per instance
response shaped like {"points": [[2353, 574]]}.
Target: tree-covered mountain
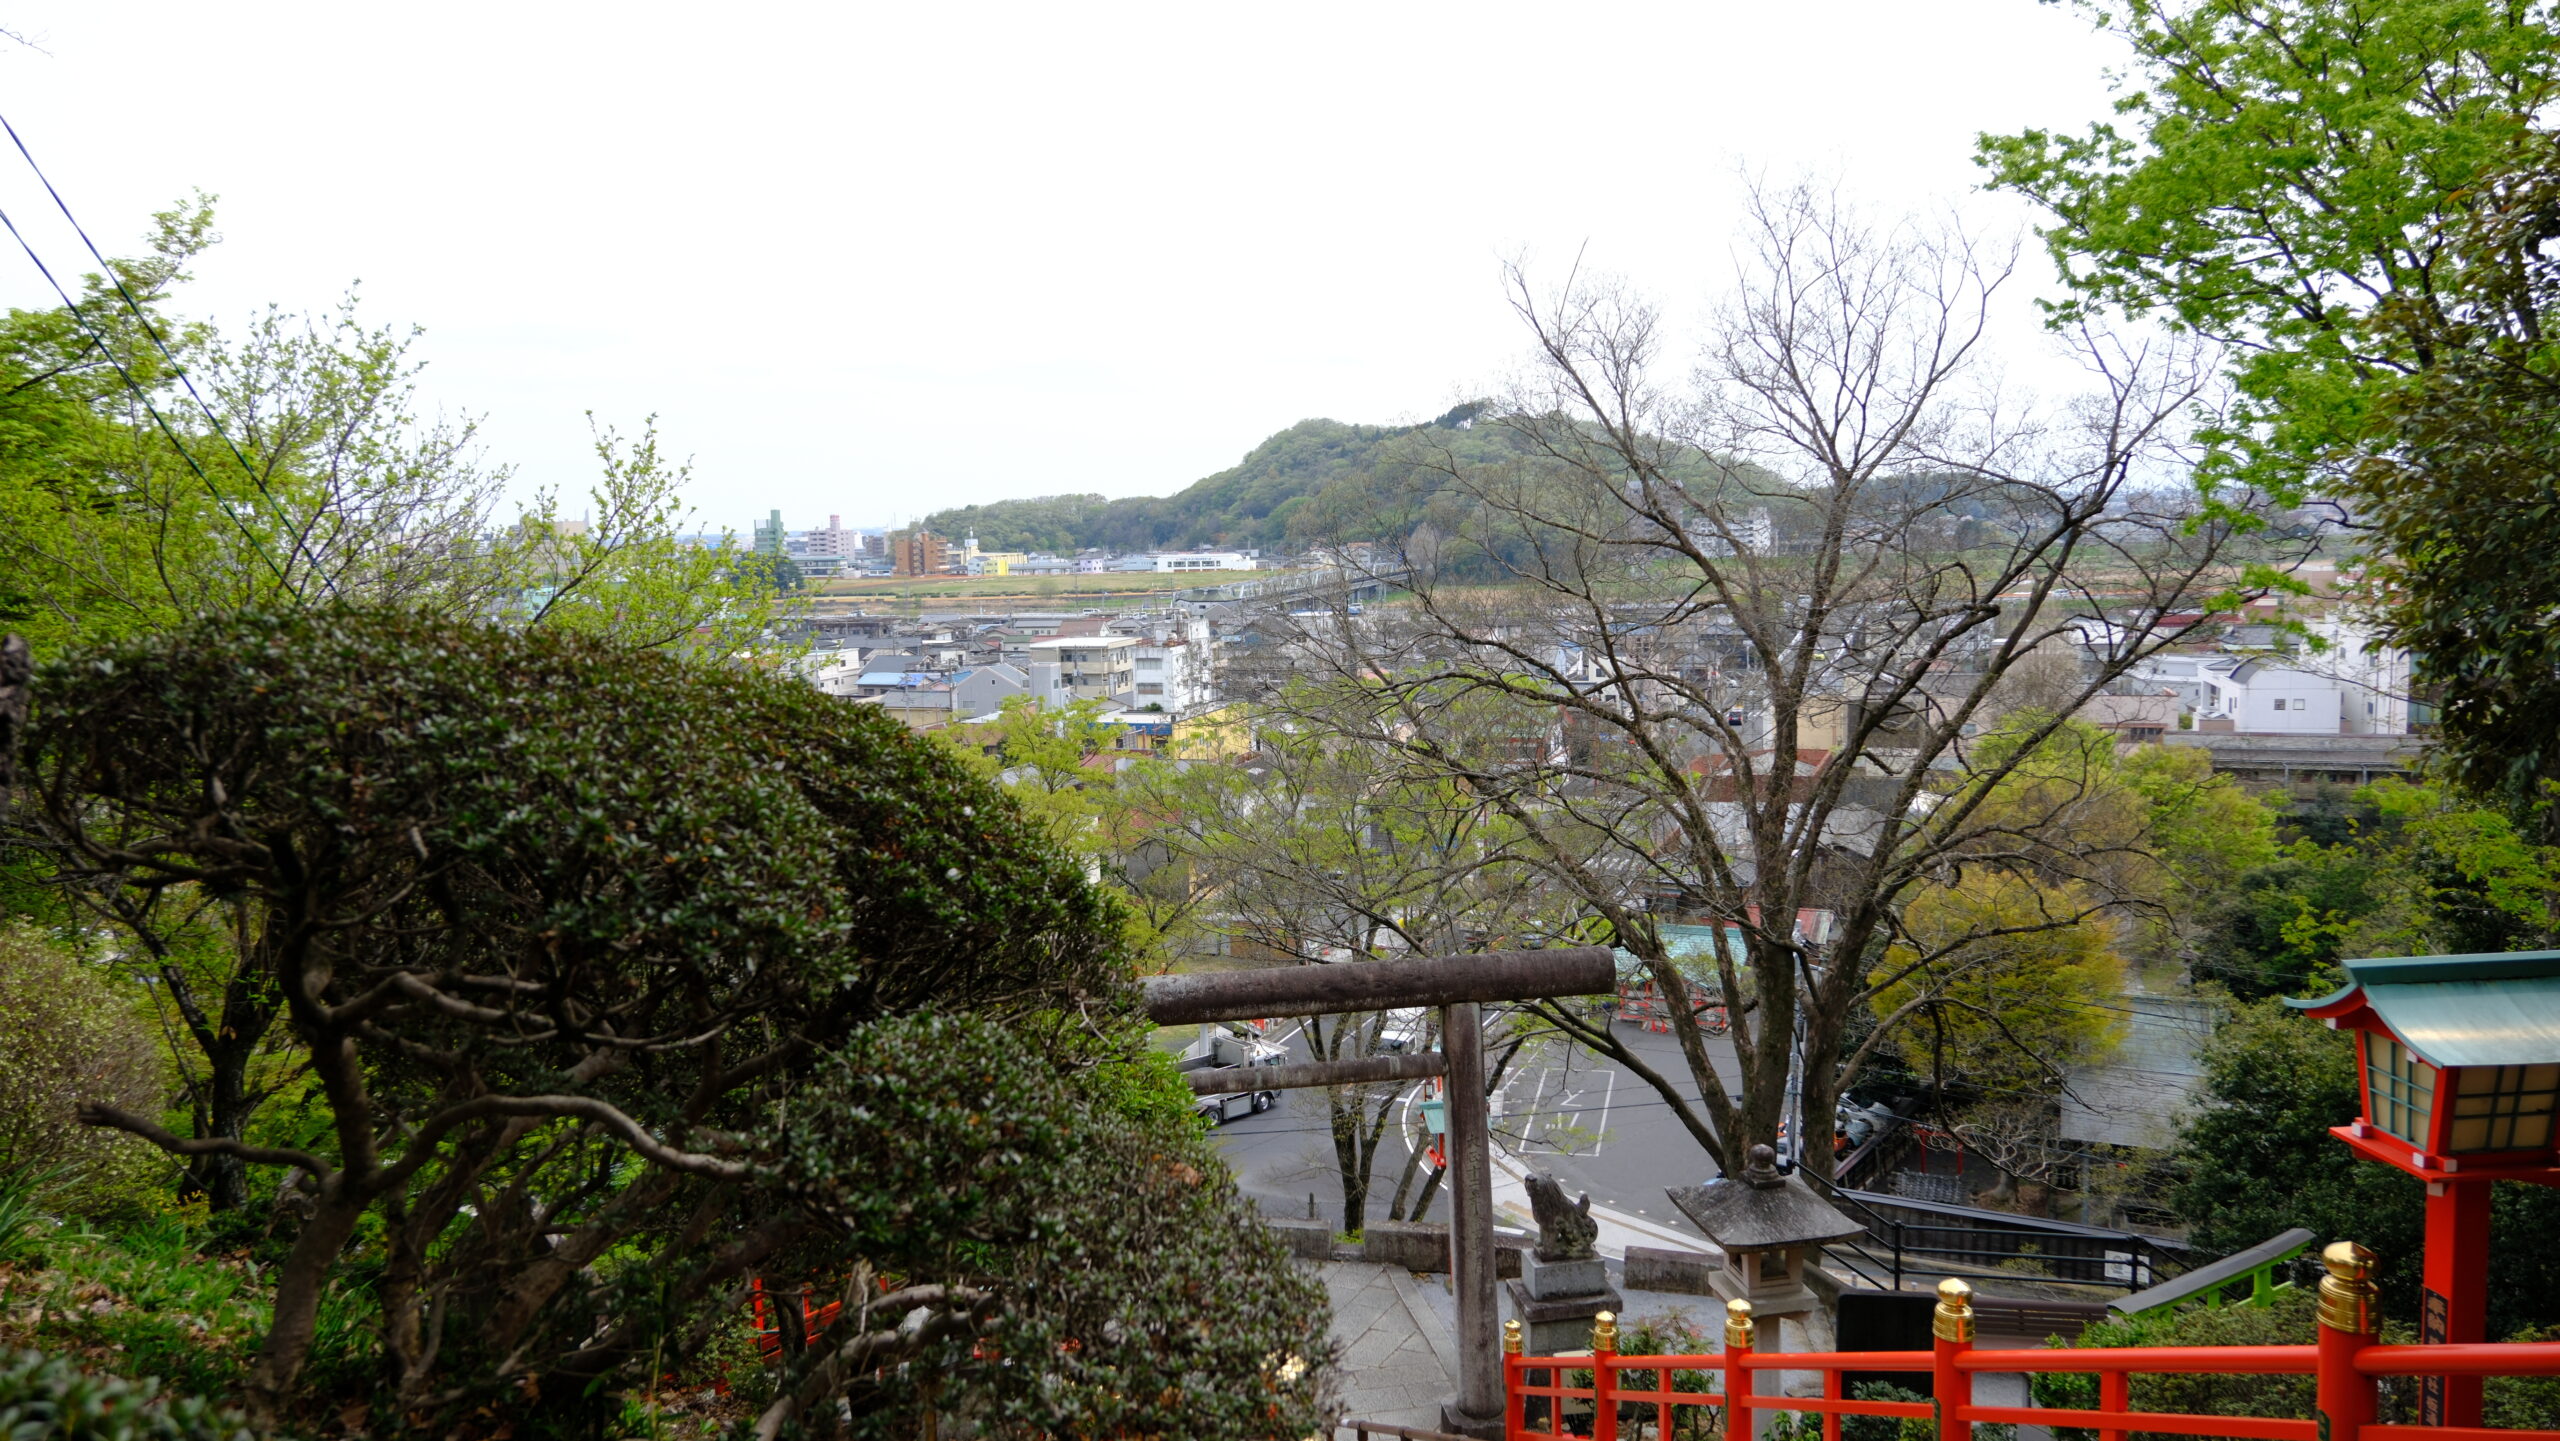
{"points": [[1290, 491]]}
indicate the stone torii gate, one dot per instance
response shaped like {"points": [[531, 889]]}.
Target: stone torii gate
{"points": [[1457, 985]]}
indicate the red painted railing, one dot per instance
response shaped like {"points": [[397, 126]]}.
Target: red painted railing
{"points": [[815, 1316], [2345, 1363]]}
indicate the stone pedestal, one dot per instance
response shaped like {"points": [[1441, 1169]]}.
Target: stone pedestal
{"points": [[1458, 1423], [1554, 1326], [1562, 1280], [1772, 1281]]}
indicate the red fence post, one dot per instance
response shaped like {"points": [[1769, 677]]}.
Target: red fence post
{"points": [[1741, 1333], [2347, 1296], [1952, 1326], [1604, 1353], [1515, 1407], [2115, 1393]]}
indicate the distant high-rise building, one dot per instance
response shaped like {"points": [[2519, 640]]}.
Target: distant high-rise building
{"points": [[918, 552], [771, 539], [833, 540]]}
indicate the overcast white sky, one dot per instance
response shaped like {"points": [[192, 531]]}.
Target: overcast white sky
{"points": [[876, 259]]}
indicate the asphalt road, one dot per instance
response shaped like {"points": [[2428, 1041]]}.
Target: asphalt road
{"points": [[1595, 1127]]}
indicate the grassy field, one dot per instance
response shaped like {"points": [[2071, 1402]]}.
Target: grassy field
{"points": [[1019, 592]]}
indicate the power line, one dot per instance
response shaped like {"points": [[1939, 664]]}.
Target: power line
{"points": [[144, 320], [143, 396]]}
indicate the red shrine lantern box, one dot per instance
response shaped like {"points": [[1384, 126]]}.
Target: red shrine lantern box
{"points": [[2459, 1063], [2459, 1057]]}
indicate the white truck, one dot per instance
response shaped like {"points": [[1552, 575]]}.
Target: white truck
{"points": [[1223, 1050]]}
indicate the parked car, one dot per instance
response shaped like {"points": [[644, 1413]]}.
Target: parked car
{"points": [[1406, 1030]]}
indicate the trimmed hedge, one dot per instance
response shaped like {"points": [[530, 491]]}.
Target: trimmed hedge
{"points": [[47, 1397]]}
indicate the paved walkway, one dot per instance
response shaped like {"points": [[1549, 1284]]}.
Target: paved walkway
{"points": [[1399, 1361]]}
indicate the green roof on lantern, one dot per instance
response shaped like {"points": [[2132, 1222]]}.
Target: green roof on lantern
{"points": [[2500, 1009]]}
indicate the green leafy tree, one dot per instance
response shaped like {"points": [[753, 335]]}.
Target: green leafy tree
{"points": [[2281, 925], [68, 1034], [1111, 808], [125, 512], [2357, 196], [578, 976], [2276, 175], [2413, 869], [2000, 983], [2462, 497]]}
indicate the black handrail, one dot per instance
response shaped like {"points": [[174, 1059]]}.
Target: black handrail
{"points": [[2145, 1257]]}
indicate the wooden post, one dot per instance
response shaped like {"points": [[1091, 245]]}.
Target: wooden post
{"points": [[1366, 1070], [2344, 1395], [1478, 1409]]}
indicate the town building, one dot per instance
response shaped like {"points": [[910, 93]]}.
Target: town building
{"points": [[771, 538], [918, 552], [1100, 667], [1163, 562], [829, 551], [927, 700], [1173, 669]]}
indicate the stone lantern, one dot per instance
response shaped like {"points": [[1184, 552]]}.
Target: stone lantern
{"points": [[1771, 1227]]}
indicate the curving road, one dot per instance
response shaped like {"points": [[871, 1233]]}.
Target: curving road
{"points": [[1596, 1128]]}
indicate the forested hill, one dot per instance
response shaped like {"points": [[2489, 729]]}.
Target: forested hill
{"points": [[1288, 492]]}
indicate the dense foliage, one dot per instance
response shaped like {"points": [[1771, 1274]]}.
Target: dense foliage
{"points": [[68, 1036], [2289, 1320], [48, 1397], [309, 473], [565, 933], [2466, 496], [1290, 491], [2387, 869], [2359, 196]]}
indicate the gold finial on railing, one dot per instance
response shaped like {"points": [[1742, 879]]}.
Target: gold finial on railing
{"points": [[1740, 1331], [2347, 1293], [1953, 1320], [1511, 1337], [1604, 1332]]}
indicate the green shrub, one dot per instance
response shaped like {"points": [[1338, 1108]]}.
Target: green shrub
{"points": [[2286, 1322], [1807, 1426], [23, 1221], [1671, 1333], [67, 1036], [47, 1397], [2524, 1403]]}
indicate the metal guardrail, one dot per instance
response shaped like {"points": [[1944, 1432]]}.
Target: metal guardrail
{"points": [[1366, 1429], [2255, 1266], [2064, 1252]]}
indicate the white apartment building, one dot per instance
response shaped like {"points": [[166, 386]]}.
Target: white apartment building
{"points": [[2352, 685], [1175, 669], [826, 551], [1163, 561], [1095, 667]]}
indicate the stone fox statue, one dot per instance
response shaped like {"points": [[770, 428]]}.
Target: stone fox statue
{"points": [[1565, 1232]]}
